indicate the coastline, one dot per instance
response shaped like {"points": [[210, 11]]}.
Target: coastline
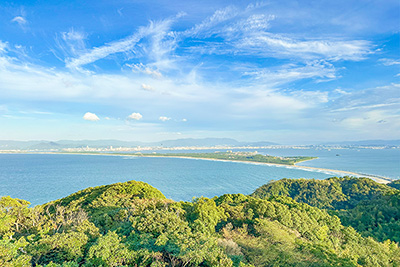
{"points": [[381, 180], [378, 179]]}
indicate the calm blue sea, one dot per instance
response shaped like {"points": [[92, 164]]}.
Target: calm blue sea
{"points": [[381, 162], [40, 178]]}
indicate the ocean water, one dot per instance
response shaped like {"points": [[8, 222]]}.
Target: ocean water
{"points": [[40, 178], [380, 162]]}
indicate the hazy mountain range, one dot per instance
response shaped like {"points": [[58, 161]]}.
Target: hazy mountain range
{"points": [[43, 145], [189, 142]]}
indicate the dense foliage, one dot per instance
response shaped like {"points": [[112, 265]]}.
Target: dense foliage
{"points": [[133, 224], [395, 184], [373, 209], [331, 193]]}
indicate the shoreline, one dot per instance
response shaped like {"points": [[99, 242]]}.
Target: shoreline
{"points": [[378, 179], [382, 180]]}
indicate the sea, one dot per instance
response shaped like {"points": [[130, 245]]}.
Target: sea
{"points": [[40, 178]]}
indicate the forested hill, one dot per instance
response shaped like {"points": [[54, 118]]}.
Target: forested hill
{"points": [[395, 184], [331, 193], [133, 224], [371, 208]]}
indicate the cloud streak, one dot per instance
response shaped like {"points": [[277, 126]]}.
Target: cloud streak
{"points": [[270, 45], [20, 20], [128, 44]]}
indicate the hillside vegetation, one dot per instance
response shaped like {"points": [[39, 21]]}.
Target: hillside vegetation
{"points": [[373, 209], [133, 224]]}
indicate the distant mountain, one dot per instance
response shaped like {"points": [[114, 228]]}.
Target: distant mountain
{"points": [[99, 143], [189, 142], [46, 146], [366, 143], [10, 144]]}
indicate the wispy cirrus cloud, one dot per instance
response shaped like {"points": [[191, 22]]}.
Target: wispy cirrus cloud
{"points": [[277, 76], [245, 32], [3, 47], [101, 52], [205, 28], [145, 69], [155, 30], [278, 46], [389, 61], [383, 97], [21, 21]]}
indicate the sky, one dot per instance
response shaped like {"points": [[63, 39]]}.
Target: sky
{"points": [[290, 72]]}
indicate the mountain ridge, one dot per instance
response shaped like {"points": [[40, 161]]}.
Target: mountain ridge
{"points": [[195, 142]]}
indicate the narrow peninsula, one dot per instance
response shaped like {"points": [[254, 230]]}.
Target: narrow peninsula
{"points": [[235, 156]]}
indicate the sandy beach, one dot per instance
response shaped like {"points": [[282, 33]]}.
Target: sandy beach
{"points": [[341, 173]]}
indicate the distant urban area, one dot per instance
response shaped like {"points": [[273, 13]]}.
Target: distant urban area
{"points": [[223, 144]]}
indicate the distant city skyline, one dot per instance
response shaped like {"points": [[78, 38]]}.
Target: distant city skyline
{"points": [[279, 71]]}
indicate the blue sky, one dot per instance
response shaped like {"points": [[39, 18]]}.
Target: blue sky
{"points": [[283, 71]]}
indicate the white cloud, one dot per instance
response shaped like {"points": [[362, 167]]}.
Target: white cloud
{"points": [[127, 44], [376, 106], [219, 16], [340, 91], [379, 98], [274, 102], [217, 22], [163, 118], [104, 51], [289, 73], [28, 81], [372, 120], [3, 47], [246, 32], [20, 20], [90, 117], [389, 61], [147, 87], [311, 97], [135, 116], [184, 120], [75, 41], [276, 45], [145, 69], [72, 34], [253, 24]]}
